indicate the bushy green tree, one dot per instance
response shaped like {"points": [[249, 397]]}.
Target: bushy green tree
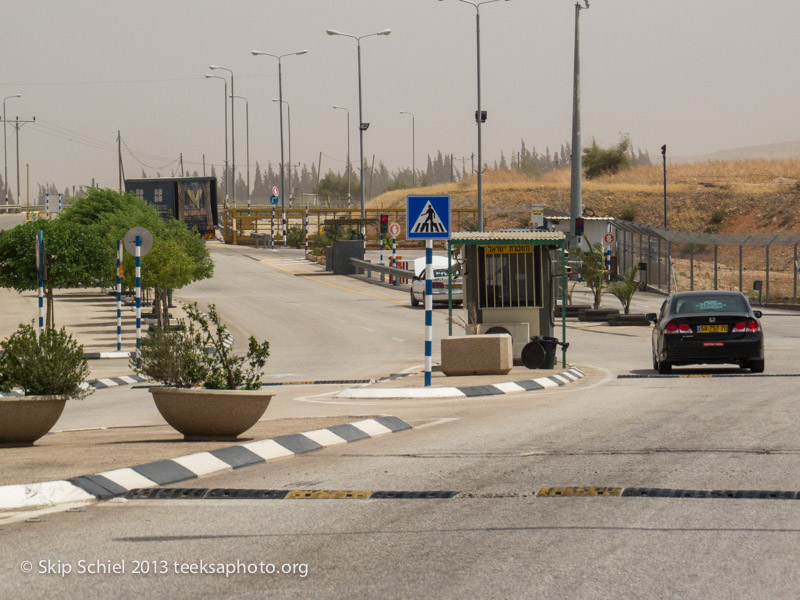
{"points": [[75, 255], [599, 161]]}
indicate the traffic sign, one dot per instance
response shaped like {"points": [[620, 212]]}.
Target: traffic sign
{"points": [[428, 217], [274, 190], [145, 241], [609, 238], [273, 199], [394, 229]]}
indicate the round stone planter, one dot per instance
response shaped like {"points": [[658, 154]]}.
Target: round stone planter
{"points": [[24, 419], [201, 414]]}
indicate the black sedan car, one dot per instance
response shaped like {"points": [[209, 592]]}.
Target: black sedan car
{"points": [[711, 327]]}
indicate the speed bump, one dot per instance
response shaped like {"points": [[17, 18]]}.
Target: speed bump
{"points": [[556, 492], [328, 495]]}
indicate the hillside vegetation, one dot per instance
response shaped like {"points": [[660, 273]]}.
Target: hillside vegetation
{"points": [[722, 197]]}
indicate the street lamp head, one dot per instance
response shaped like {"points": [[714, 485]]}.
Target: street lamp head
{"points": [[301, 52], [333, 32], [212, 67], [256, 52], [384, 32]]}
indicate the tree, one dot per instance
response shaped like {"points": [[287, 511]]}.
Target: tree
{"points": [[592, 268], [75, 256], [625, 288], [598, 161]]}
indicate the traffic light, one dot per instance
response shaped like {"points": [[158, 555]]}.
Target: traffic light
{"points": [[384, 224], [579, 226]]}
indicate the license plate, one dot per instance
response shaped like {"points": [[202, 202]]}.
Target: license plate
{"points": [[712, 329], [456, 286]]}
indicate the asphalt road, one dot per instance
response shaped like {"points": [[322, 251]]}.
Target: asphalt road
{"points": [[716, 430]]}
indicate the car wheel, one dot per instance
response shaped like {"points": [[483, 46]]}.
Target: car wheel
{"points": [[664, 368], [414, 301], [756, 366]]}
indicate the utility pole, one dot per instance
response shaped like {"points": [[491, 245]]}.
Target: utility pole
{"points": [[576, 200], [18, 123], [181, 164], [119, 158]]}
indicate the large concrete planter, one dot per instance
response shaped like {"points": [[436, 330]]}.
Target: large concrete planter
{"points": [[201, 414], [24, 419]]}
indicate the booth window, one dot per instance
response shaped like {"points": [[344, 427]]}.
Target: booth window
{"points": [[510, 276]]}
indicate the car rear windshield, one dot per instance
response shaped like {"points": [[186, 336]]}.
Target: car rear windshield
{"points": [[710, 304]]}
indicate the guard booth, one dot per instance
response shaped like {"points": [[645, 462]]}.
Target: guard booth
{"points": [[510, 282]]}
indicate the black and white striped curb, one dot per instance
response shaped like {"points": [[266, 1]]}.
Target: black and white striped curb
{"points": [[495, 389], [98, 384], [118, 482]]}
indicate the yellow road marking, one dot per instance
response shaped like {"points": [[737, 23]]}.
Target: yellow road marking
{"points": [[328, 495]]}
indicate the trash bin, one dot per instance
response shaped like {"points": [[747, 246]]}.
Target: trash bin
{"points": [[540, 353]]}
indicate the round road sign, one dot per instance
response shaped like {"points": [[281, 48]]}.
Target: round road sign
{"points": [[394, 229], [609, 238], [274, 190], [145, 241]]}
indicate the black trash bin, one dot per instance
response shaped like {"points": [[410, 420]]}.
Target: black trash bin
{"points": [[540, 353]]}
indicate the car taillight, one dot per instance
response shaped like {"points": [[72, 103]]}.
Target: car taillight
{"points": [[750, 326], [438, 284], [674, 327]]}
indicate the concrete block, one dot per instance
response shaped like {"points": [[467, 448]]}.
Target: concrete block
{"points": [[488, 354]]}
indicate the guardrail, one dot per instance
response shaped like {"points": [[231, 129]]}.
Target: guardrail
{"points": [[367, 266]]}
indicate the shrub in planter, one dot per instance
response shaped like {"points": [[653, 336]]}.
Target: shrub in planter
{"points": [[50, 369], [229, 401], [50, 364]]}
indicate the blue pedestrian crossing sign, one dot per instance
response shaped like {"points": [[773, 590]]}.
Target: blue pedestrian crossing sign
{"points": [[428, 218]]}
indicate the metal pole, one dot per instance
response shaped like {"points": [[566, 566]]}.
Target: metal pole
{"points": [[40, 263], [289, 123], [428, 310], [664, 156], [715, 266], [691, 267], [119, 295], [576, 200], [361, 143], [247, 126], [478, 118], [283, 174], [766, 299], [740, 268], [138, 256], [349, 164], [794, 295]]}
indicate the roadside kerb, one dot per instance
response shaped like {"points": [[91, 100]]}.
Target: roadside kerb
{"points": [[118, 482], [493, 389]]}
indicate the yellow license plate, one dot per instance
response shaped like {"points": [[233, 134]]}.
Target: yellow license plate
{"points": [[712, 329], [456, 286]]}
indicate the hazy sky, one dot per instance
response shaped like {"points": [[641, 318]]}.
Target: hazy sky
{"points": [[698, 75]]}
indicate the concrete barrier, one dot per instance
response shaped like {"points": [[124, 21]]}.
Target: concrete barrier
{"points": [[488, 354]]}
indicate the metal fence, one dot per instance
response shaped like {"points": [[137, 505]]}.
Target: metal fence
{"points": [[668, 260]]}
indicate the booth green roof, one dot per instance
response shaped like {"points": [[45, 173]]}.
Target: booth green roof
{"points": [[483, 237]]}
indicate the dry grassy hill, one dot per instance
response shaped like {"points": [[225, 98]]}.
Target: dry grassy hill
{"points": [[715, 197], [731, 196]]}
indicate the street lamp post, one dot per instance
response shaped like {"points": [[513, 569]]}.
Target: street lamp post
{"points": [[5, 149], [227, 179], [413, 149], [479, 115], [362, 127], [576, 200], [233, 132], [349, 176], [280, 100], [664, 157], [247, 128], [289, 124]]}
